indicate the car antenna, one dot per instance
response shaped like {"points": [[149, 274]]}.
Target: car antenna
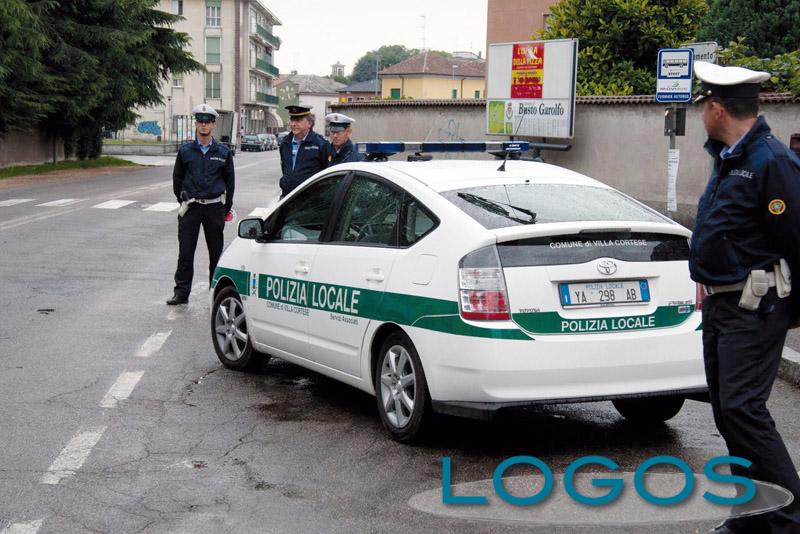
{"points": [[502, 167]]}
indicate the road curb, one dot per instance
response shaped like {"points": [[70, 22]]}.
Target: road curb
{"points": [[790, 366]]}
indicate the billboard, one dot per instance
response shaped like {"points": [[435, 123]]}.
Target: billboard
{"points": [[530, 88]]}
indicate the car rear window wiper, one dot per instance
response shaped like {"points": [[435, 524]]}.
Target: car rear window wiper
{"points": [[493, 206]]}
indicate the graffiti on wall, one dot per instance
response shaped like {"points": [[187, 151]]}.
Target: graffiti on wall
{"points": [[451, 132], [149, 127]]}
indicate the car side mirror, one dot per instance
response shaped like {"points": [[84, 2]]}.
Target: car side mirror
{"points": [[251, 228]]}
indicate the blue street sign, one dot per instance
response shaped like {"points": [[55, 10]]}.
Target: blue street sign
{"points": [[674, 75]]}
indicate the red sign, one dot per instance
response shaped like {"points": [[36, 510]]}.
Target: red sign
{"points": [[527, 70]]}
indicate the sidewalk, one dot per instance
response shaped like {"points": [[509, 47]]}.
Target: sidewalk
{"points": [[790, 366], [161, 160]]}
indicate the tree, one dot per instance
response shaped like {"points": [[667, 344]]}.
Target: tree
{"points": [[770, 27], [78, 67], [619, 39], [109, 56], [388, 55], [784, 68], [23, 81]]}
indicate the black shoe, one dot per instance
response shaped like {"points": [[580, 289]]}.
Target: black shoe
{"points": [[177, 299]]}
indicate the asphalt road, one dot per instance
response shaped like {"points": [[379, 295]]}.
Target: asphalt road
{"points": [[116, 416]]}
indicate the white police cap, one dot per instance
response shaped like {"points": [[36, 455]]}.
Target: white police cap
{"points": [[728, 82], [338, 121], [204, 111]]}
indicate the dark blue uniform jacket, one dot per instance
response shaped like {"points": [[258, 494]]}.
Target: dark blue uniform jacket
{"points": [[749, 216], [204, 176], [312, 157], [345, 154]]}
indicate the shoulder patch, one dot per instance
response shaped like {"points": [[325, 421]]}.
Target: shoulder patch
{"points": [[777, 206]]}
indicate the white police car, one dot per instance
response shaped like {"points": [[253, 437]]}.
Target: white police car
{"points": [[456, 287]]}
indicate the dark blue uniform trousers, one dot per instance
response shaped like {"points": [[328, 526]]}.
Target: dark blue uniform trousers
{"points": [[212, 219], [742, 351]]}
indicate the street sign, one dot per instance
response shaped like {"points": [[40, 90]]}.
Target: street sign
{"points": [[674, 75], [706, 51], [530, 88]]}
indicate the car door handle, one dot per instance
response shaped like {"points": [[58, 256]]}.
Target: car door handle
{"points": [[374, 276], [301, 268]]}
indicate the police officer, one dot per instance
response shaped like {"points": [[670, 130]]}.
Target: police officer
{"points": [[746, 242], [342, 148], [304, 152], [203, 182]]}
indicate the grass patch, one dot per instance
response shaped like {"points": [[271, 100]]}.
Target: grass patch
{"points": [[102, 161]]}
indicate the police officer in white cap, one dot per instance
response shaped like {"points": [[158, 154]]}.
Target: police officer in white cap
{"points": [[745, 243], [340, 127], [203, 182]]}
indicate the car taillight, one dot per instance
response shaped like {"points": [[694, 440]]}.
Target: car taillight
{"points": [[482, 287], [700, 296]]}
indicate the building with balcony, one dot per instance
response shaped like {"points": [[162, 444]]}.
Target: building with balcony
{"points": [[235, 41]]}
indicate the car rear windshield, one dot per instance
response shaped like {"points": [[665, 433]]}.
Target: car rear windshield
{"points": [[503, 205]]}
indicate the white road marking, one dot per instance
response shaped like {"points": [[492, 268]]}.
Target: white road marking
{"points": [[121, 389], [60, 203], [248, 165], [113, 204], [153, 344], [23, 527], [15, 201], [72, 457], [8, 225], [173, 314], [163, 206]]}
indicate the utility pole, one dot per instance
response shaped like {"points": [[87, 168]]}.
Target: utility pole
{"points": [[377, 68]]}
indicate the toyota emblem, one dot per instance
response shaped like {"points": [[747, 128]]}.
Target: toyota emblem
{"points": [[607, 267]]}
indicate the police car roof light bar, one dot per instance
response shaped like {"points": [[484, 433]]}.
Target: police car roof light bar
{"points": [[380, 151]]}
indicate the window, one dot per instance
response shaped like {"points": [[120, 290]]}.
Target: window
{"points": [[545, 21], [477, 94], [253, 21], [369, 214], [303, 218], [501, 206], [416, 222], [395, 93], [213, 85], [177, 81], [454, 93], [212, 50], [177, 7], [213, 13]]}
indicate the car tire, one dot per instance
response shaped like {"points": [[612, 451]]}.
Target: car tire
{"points": [[649, 409], [229, 333], [401, 390]]}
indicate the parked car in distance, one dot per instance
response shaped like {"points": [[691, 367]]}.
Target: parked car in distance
{"points": [[280, 136], [252, 142], [269, 140]]}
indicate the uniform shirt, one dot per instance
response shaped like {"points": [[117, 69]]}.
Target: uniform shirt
{"points": [[296, 148], [749, 215], [312, 157], [204, 148], [345, 154], [202, 174]]}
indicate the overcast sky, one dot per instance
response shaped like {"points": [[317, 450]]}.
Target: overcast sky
{"points": [[317, 33]]}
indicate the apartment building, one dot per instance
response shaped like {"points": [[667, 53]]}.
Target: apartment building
{"points": [[234, 40]]}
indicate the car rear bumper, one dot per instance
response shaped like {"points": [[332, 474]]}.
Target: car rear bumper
{"points": [[554, 369]]}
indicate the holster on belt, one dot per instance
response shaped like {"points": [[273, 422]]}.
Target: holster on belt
{"points": [[184, 207], [759, 281]]}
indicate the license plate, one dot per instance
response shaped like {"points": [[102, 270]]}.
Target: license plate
{"points": [[604, 293]]}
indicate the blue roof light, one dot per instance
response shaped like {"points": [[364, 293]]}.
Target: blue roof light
{"points": [[375, 150]]}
